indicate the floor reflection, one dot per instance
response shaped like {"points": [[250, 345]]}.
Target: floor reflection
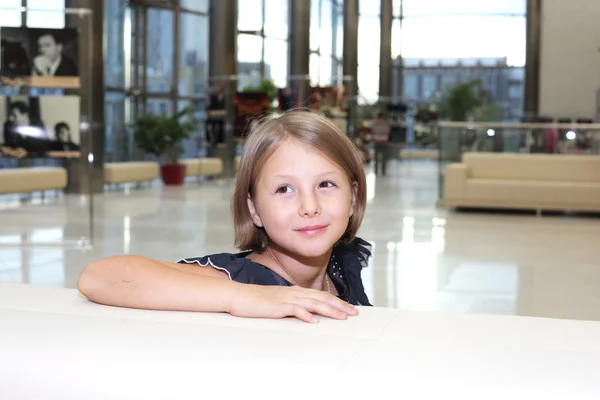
{"points": [[421, 277]]}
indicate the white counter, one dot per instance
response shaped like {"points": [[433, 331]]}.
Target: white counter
{"points": [[54, 344]]}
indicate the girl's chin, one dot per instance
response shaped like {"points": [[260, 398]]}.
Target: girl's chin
{"points": [[312, 250]]}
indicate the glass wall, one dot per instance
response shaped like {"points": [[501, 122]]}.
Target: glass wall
{"points": [[168, 49], [262, 42], [326, 42]]}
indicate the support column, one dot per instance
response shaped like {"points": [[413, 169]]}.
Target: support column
{"points": [[222, 71], [385, 55], [299, 49], [351, 59], [88, 176], [532, 57]]}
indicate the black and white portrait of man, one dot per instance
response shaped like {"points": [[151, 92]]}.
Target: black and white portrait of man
{"points": [[39, 52], [54, 52]]}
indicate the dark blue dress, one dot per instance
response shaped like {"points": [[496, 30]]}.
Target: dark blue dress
{"points": [[344, 270]]}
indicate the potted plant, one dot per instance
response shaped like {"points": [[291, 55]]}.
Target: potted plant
{"points": [[461, 100], [267, 87], [162, 136]]}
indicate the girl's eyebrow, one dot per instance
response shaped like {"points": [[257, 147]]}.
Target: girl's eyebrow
{"points": [[283, 176]]}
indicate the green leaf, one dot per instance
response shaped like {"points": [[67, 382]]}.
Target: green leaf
{"points": [[461, 100], [162, 135], [265, 86]]}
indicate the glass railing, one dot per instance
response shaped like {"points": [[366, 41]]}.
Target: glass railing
{"points": [[456, 138]]}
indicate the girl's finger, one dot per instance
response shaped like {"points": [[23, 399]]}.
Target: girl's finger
{"points": [[321, 308], [302, 314], [335, 302]]}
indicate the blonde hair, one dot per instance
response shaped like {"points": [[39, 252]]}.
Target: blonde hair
{"points": [[316, 133]]}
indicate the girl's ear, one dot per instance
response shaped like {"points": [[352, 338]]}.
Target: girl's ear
{"points": [[254, 213], [354, 193]]}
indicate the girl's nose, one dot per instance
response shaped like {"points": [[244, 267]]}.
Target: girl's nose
{"points": [[309, 205]]}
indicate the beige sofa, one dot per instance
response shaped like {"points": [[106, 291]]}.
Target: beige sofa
{"points": [[134, 171], [524, 181], [210, 166], [419, 154], [21, 180]]}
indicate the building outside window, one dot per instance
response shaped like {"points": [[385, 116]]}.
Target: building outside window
{"points": [[448, 81], [440, 74], [411, 85]]}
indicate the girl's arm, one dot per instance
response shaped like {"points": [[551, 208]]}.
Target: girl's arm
{"points": [[139, 282]]}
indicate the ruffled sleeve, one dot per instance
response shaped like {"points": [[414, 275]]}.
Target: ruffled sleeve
{"points": [[355, 256], [239, 269]]}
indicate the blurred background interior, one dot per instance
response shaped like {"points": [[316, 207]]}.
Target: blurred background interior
{"points": [[491, 193]]}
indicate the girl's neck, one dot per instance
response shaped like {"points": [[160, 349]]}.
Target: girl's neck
{"points": [[308, 272]]}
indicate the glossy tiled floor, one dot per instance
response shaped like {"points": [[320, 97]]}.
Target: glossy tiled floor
{"points": [[426, 258]]}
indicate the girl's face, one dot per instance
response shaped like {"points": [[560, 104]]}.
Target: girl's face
{"points": [[303, 200]]}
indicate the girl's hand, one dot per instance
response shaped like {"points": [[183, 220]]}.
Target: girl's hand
{"points": [[255, 301]]}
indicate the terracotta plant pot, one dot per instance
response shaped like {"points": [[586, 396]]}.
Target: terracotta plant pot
{"points": [[172, 174]]}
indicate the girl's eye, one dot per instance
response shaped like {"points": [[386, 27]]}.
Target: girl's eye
{"points": [[283, 189], [327, 184]]}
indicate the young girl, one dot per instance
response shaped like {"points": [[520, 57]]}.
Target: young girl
{"points": [[299, 200]]}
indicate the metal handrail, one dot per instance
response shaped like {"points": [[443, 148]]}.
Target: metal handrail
{"points": [[516, 125]]}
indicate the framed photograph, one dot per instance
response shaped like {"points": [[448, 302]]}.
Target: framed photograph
{"points": [[39, 57], [46, 126], [15, 56], [54, 52]]}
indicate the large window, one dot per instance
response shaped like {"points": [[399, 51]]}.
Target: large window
{"points": [[118, 31], [168, 49], [9, 17], [49, 13], [193, 54], [369, 31], [40, 13], [489, 36], [326, 42], [117, 21], [159, 63], [195, 5], [464, 28], [262, 50]]}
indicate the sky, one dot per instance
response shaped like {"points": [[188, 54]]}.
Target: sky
{"points": [[485, 36], [448, 29]]}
